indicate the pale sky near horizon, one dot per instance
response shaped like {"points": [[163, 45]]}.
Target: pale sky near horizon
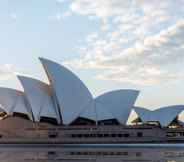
{"points": [[109, 44]]}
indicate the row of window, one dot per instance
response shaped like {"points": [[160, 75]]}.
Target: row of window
{"points": [[175, 134], [139, 134], [104, 153]]}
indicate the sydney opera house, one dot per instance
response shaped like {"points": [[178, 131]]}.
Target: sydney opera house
{"points": [[64, 111]]}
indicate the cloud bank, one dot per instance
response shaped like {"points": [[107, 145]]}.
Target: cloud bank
{"points": [[139, 42]]}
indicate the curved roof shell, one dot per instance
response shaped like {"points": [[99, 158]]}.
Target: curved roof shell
{"points": [[71, 94], [113, 105], [164, 115], [39, 97], [12, 100]]}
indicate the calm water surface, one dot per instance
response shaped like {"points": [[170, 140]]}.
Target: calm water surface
{"points": [[91, 154]]}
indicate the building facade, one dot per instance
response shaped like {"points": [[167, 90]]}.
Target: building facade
{"points": [[64, 111]]}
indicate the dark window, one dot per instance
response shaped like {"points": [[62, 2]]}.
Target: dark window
{"points": [[48, 120], [21, 115], [51, 155], [111, 153], [93, 153], [139, 134], [108, 122], [170, 134], [83, 121], [72, 153], [92, 135], [73, 135], [138, 154], [79, 135], [78, 153], [98, 153], [85, 153], [53, 135], [86, 135], [105, 153], [181, 133], [124, 153], [118, 153], [100, 135], [126, 135]]}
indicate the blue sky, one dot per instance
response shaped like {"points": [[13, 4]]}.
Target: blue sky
{"points": [[109, 44]]}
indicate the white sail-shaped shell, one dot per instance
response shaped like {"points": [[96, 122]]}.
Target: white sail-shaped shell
{"points": [[113, 105], [12, 100], [71, 94], [39, 97], [164, 115]]}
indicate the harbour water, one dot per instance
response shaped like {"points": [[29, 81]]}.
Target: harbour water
{"points": [[94, 153]]}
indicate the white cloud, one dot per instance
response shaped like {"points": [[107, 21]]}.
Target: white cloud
{"points": [[60, 16], [140, 42], [100, 8], [13, 16], [56, 17], [142, 76], [66, 14], [60, 1]]}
